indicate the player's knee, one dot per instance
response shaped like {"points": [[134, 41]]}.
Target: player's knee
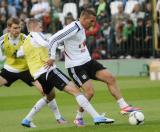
{"points": [[71, 89], [49, 97], [3, 81], [89, 94], [42, 93], [111, 79]]}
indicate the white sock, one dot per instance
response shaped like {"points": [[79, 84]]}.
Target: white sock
{"points": [[80, 114], [36, 108], [83, 102], [122, 103], [53, 105]]}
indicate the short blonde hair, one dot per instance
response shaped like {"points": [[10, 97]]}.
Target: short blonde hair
{"points": [[31, 23], [12, 20]]}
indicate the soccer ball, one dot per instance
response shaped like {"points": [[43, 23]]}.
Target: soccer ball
{"points": [[136, 118]]}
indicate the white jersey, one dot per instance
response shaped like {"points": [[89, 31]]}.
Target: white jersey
{"points": [[76, 52]]}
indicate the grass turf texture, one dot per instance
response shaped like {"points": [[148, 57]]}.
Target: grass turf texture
{"points": [[17, 100]]}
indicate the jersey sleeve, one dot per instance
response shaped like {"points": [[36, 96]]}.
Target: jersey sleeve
{"points": [[2, 57], [40, 39], [60, 36], [1, 40]]}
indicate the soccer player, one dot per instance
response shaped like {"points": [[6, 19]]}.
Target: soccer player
{"points": [[81, 67], [16, 68], [35, 50]]}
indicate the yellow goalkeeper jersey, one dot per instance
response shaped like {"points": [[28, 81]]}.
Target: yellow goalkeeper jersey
{"points": [[10, 53]]}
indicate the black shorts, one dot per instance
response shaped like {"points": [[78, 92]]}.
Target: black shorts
{"points": [[11, 77], [55, 78], [80, 74]]}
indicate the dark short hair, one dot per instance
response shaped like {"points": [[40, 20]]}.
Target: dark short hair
{"points": [[12, 20], [88, 11]]}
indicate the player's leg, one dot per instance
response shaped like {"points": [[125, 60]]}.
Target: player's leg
{"points": [[85, 104], [47, 99], [63, 83], [38, 87], [81, 78], [27, 121], [3, 81], [88, 91], [51, 103], [7, 78], [105, 76], [54, 107]]}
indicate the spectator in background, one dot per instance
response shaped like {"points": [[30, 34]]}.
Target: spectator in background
{"points": [[56, 10], [4, 13], [108, 35], [93, 36], [102, 17], [23, 18], [158, 13], [40, 8], [119, 47], [12, 10], [26, 7], [1, 28], [101, 7], [158, 7], [16, 3], [58, 24], [57, 5], [149, 40], [139, 37], [95, 4], [118, 22], [137, 13], [128, 33], [85, 4], [124, 3], [10, 2], [47, 20], [120, 17], [68, 19], [148, 11], [148, 47]]}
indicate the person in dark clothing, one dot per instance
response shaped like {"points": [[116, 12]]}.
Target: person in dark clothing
{"points": [[139, 38]]}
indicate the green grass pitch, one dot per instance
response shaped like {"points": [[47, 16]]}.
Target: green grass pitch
{"points": [[17, 100]]}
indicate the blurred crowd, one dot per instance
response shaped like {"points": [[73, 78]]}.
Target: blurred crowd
{"points": [[124, 28]]}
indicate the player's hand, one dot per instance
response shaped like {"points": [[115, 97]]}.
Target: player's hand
{"points": [[49, 63]]}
